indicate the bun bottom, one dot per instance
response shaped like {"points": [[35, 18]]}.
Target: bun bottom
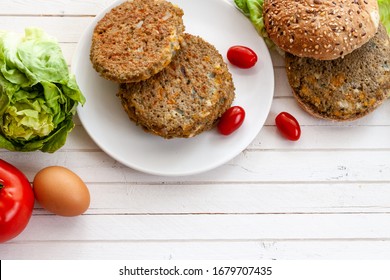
{"points": [[343, 89]]}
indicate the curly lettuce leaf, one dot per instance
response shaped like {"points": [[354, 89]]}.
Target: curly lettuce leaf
{"points": [[253, 10], [384, 12], [38, 96]]}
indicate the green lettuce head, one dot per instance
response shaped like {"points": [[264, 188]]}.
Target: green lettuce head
{"points": [[38, 96]]}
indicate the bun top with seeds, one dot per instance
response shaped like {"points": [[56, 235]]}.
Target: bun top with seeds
{"points": [[320, 29]]}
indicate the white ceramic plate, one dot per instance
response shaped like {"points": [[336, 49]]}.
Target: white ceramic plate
{"points": [[221, 24]]}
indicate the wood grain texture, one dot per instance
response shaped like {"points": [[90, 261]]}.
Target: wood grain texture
{"points": [[181, 227], [218, 198], [326, 196], [249, 166], [65, 8], [201, 250]]}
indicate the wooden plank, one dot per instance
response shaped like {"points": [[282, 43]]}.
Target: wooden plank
{"points": [[236, 198], [277, 59], [79, 139], [326, 138], [68, 50], [249, 166], [206, 227], [64, 29], [282, 87], [56, 7], [199, 250]]}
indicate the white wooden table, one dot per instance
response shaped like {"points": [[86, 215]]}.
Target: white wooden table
{"points": [[326, 196]]}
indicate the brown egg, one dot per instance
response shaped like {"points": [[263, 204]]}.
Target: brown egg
{"points": [[61, 191]]}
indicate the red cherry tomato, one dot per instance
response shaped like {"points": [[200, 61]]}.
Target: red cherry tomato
{"points": [[16, 201], [231, 120], [241, 56], [288, 126]]}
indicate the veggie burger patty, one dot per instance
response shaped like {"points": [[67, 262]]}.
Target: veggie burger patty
{"points": [[345, 88], [184, 99], [136, 40]]}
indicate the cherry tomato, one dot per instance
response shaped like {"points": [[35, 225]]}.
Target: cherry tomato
{"points": [[16, 201], [231, 120], [241, 56], [288, 126]]}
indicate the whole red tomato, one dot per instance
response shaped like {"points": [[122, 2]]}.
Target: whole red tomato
{"points": [[16, 201], [231, 120], [288, 126], [242, 57]]}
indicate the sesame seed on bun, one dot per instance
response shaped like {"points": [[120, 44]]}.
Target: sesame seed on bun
{"points": [[320, 29]]}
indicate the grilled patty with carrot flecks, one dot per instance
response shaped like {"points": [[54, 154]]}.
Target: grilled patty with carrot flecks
{"points": [[184, 99], [136, 40], [345, 88]]}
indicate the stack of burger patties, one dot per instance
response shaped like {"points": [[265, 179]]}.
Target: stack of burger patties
{"points": [[172, 84], [337, 54]]}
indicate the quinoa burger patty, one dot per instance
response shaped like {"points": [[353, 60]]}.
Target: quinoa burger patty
{"points": [[136, 40], [184, 99], [345, 88]]}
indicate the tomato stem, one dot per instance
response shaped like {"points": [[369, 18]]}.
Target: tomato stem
{"points": [[1, 186]]}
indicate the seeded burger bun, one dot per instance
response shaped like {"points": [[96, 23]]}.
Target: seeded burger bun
{"points": [[320, 29], [184, 99], [346, 88], [136, 40]]}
